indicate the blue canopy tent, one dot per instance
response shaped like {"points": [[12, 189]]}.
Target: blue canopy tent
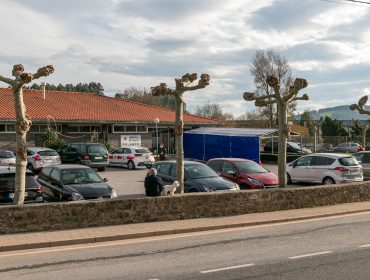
{"points": [[206, 143]]}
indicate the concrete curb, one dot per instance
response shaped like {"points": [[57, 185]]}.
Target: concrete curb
{"points": [[116, 237]]}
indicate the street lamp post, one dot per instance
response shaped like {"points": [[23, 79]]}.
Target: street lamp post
{"points": [[156, 121]]}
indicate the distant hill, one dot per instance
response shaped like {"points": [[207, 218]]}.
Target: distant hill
{"points": [[338, 112]]}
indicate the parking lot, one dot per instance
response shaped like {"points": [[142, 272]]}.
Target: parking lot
{"points": [[130, 183]]}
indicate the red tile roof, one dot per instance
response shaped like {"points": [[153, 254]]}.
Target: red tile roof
{"points": [[77, 106]]}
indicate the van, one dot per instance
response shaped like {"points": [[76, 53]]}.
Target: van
{"points": [[94, 155]]}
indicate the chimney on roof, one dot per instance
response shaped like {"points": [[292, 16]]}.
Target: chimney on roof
{"points": [[43, 85]]}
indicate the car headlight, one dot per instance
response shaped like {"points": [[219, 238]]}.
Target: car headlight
{"points": [[113, 194], [255, 182], [76, 196]]}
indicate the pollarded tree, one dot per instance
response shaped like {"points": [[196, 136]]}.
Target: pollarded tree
{"points": [[23, 122], [360, 106], [183, 84], [282, 100]]}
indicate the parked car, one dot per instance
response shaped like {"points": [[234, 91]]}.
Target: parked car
{"points": [[94, 155], [246, 173], [7, 158], [292, 148], [348, 148], [73, 182], [131, 157], [364, 159], [37, 158], [198, 177], [7, 186], [324, 148], [325, 168]]}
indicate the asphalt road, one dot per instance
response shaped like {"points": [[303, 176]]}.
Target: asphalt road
{"points": [[330, 248]]}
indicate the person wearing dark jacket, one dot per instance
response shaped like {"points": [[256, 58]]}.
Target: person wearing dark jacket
{"points": [[162, 152], [153, 183]]}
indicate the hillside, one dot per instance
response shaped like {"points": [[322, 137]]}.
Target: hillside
{"points": [[339, 113]]}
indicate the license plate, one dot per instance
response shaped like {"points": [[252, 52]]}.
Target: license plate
{"points": [[98, 157], [354, 173]]}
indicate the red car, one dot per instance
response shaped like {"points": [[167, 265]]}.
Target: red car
{"points": [[247, 173]]}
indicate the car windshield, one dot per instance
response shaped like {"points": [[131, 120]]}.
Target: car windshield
{"points": [[142, 151], [6, 154], [7, 180], [294, 145], [48, 153], [348, 161], [249, 167], [80, 176], [196, 171], [97, 149]]}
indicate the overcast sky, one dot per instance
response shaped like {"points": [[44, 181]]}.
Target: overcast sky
{"points": [[140, 43]]}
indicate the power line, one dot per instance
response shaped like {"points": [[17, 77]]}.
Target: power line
{"points": [[343, 3], [357, 1]]}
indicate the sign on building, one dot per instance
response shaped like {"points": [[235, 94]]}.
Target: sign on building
{"points": [[131, 140]]}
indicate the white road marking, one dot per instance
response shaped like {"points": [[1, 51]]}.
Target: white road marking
{"points": [[227, 268], [159, 238], [364, 246], [310, 255]]}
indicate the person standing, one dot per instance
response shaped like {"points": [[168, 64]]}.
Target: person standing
{"points": [[162, 152], [153, 183]]}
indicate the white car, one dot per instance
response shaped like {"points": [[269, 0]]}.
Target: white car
{"points": [[131, 157], [37, 158], [325, 168], [7, 158]]}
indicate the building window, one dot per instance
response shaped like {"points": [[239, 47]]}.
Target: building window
{"points": [[10, 128], [42, 128], [130, 128], [2, 127], [84, 128]]}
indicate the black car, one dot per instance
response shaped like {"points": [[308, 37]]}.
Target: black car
{"points": [[94, 155], [198, 177], [291, 148], [73, 182], [7, 186]]}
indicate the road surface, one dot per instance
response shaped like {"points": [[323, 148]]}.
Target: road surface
{"points": [[328, 248]]}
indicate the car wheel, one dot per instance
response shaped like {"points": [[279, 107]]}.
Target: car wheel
{"points": [[101, 168], [244, 187], [289, 179], [131, 165], [328, 181]]}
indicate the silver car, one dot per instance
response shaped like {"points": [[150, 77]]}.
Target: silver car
{"points": [[364, 159], [325, 168], [37, 158], [7, 158]]}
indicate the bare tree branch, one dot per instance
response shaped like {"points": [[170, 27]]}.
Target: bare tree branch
{"points": [[44, 71], [295, 88], [7, 80], [263, 103], [303, 97]]}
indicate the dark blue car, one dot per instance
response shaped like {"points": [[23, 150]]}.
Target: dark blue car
{"points": [[198, 177]]}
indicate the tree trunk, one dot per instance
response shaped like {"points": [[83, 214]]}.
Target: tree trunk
{"points": [[283, 135], [22, 127], [179, 127]]}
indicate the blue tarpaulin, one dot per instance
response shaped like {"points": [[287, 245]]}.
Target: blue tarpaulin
{"points": [[207, 143]]}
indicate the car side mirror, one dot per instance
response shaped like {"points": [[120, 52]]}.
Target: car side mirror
{"points": [[294, 165], [105, 179], [231, 172]]}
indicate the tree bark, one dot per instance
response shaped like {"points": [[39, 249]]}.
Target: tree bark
{"points": [[179, 125], [22, 126], [283, 135]]}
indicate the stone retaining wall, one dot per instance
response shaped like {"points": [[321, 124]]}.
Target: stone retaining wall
{"points": [[57, 216]]}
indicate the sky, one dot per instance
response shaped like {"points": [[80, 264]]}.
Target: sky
{"points": [[140, 43]]}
